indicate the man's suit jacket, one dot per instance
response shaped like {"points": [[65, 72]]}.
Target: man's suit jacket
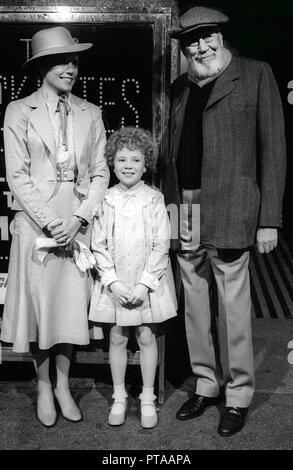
{"points": [[30, 156], [243, 163]]}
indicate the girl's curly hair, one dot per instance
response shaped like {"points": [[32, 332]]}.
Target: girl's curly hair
{"points": [[132, 138]]}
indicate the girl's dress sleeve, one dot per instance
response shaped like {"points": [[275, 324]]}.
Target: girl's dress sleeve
{"points": [[100, 247], [158, 259]]}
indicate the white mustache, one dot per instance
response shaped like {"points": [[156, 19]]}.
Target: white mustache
{"points": [[200, 58]]}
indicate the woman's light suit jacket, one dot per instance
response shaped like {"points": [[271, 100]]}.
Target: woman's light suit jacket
{"points": [[30, 156]]}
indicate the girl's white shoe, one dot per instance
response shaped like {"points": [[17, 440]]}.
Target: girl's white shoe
{"points": [[148, 412], [117, 413]]}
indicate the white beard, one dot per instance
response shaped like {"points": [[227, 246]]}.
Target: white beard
{"points": [[207, 68]]}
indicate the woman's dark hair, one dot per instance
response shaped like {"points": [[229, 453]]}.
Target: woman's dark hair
{"points": [[44, 64]]}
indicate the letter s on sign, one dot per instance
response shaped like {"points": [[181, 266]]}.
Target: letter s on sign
{"points": [[290, 94]]}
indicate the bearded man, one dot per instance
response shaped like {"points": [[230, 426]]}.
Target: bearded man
{"points": [[226, 171]]}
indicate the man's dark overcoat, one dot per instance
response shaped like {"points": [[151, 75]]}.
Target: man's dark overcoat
{"points": [[243, 162]]}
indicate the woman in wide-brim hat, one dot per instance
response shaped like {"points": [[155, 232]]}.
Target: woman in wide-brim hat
{"points": [[54, 152]]}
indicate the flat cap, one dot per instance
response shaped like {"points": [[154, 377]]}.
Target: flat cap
{"points": [[197, 17]]}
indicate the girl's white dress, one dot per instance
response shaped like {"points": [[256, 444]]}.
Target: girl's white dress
{"points": [[130, 241]]}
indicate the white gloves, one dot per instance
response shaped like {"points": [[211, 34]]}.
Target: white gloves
{"points": [[83, 257]]}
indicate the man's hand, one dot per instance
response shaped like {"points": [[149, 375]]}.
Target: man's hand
{"points": [[266, 239], [65, 232], [138, 295], [120, 292]]}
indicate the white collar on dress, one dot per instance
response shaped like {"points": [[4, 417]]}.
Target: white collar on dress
{"points": [[130, 191], [141, 192]]}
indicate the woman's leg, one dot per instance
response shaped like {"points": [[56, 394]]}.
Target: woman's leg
{"points": [[118, 364], [69, 409], [46, 411], [147, 342]]}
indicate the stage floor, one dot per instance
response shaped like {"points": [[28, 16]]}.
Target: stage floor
{"points": [[269, 424]]}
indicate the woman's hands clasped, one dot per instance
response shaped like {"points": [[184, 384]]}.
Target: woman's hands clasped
{"points": [[64, 231]]}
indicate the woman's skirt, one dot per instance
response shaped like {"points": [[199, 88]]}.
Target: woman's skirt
{"points": [[46, 301]]}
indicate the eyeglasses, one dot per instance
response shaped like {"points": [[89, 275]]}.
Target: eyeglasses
{"points": [[207, 38]]}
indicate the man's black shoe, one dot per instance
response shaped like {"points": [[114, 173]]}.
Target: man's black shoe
{"points": [[232, 420], [195, 406]]}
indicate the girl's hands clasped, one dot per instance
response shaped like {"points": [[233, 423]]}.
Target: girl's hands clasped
{"points": [[120, 292], [138, 295], [125, 297]]}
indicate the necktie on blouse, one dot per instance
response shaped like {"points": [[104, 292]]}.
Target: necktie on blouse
{"points": [[63, 108]]}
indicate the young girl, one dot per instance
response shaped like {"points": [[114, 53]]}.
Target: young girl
{"points": [[135, 287]]}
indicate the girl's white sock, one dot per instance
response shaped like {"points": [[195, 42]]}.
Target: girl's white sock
{"points": [[119, 396], [147, 395]]}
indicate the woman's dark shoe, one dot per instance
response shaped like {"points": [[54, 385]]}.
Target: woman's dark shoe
{"points": [[68, 407], [232, 420], [195, 406]]}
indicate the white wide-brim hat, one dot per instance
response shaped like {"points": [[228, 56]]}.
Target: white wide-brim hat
{"points": [[57, 40]]}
